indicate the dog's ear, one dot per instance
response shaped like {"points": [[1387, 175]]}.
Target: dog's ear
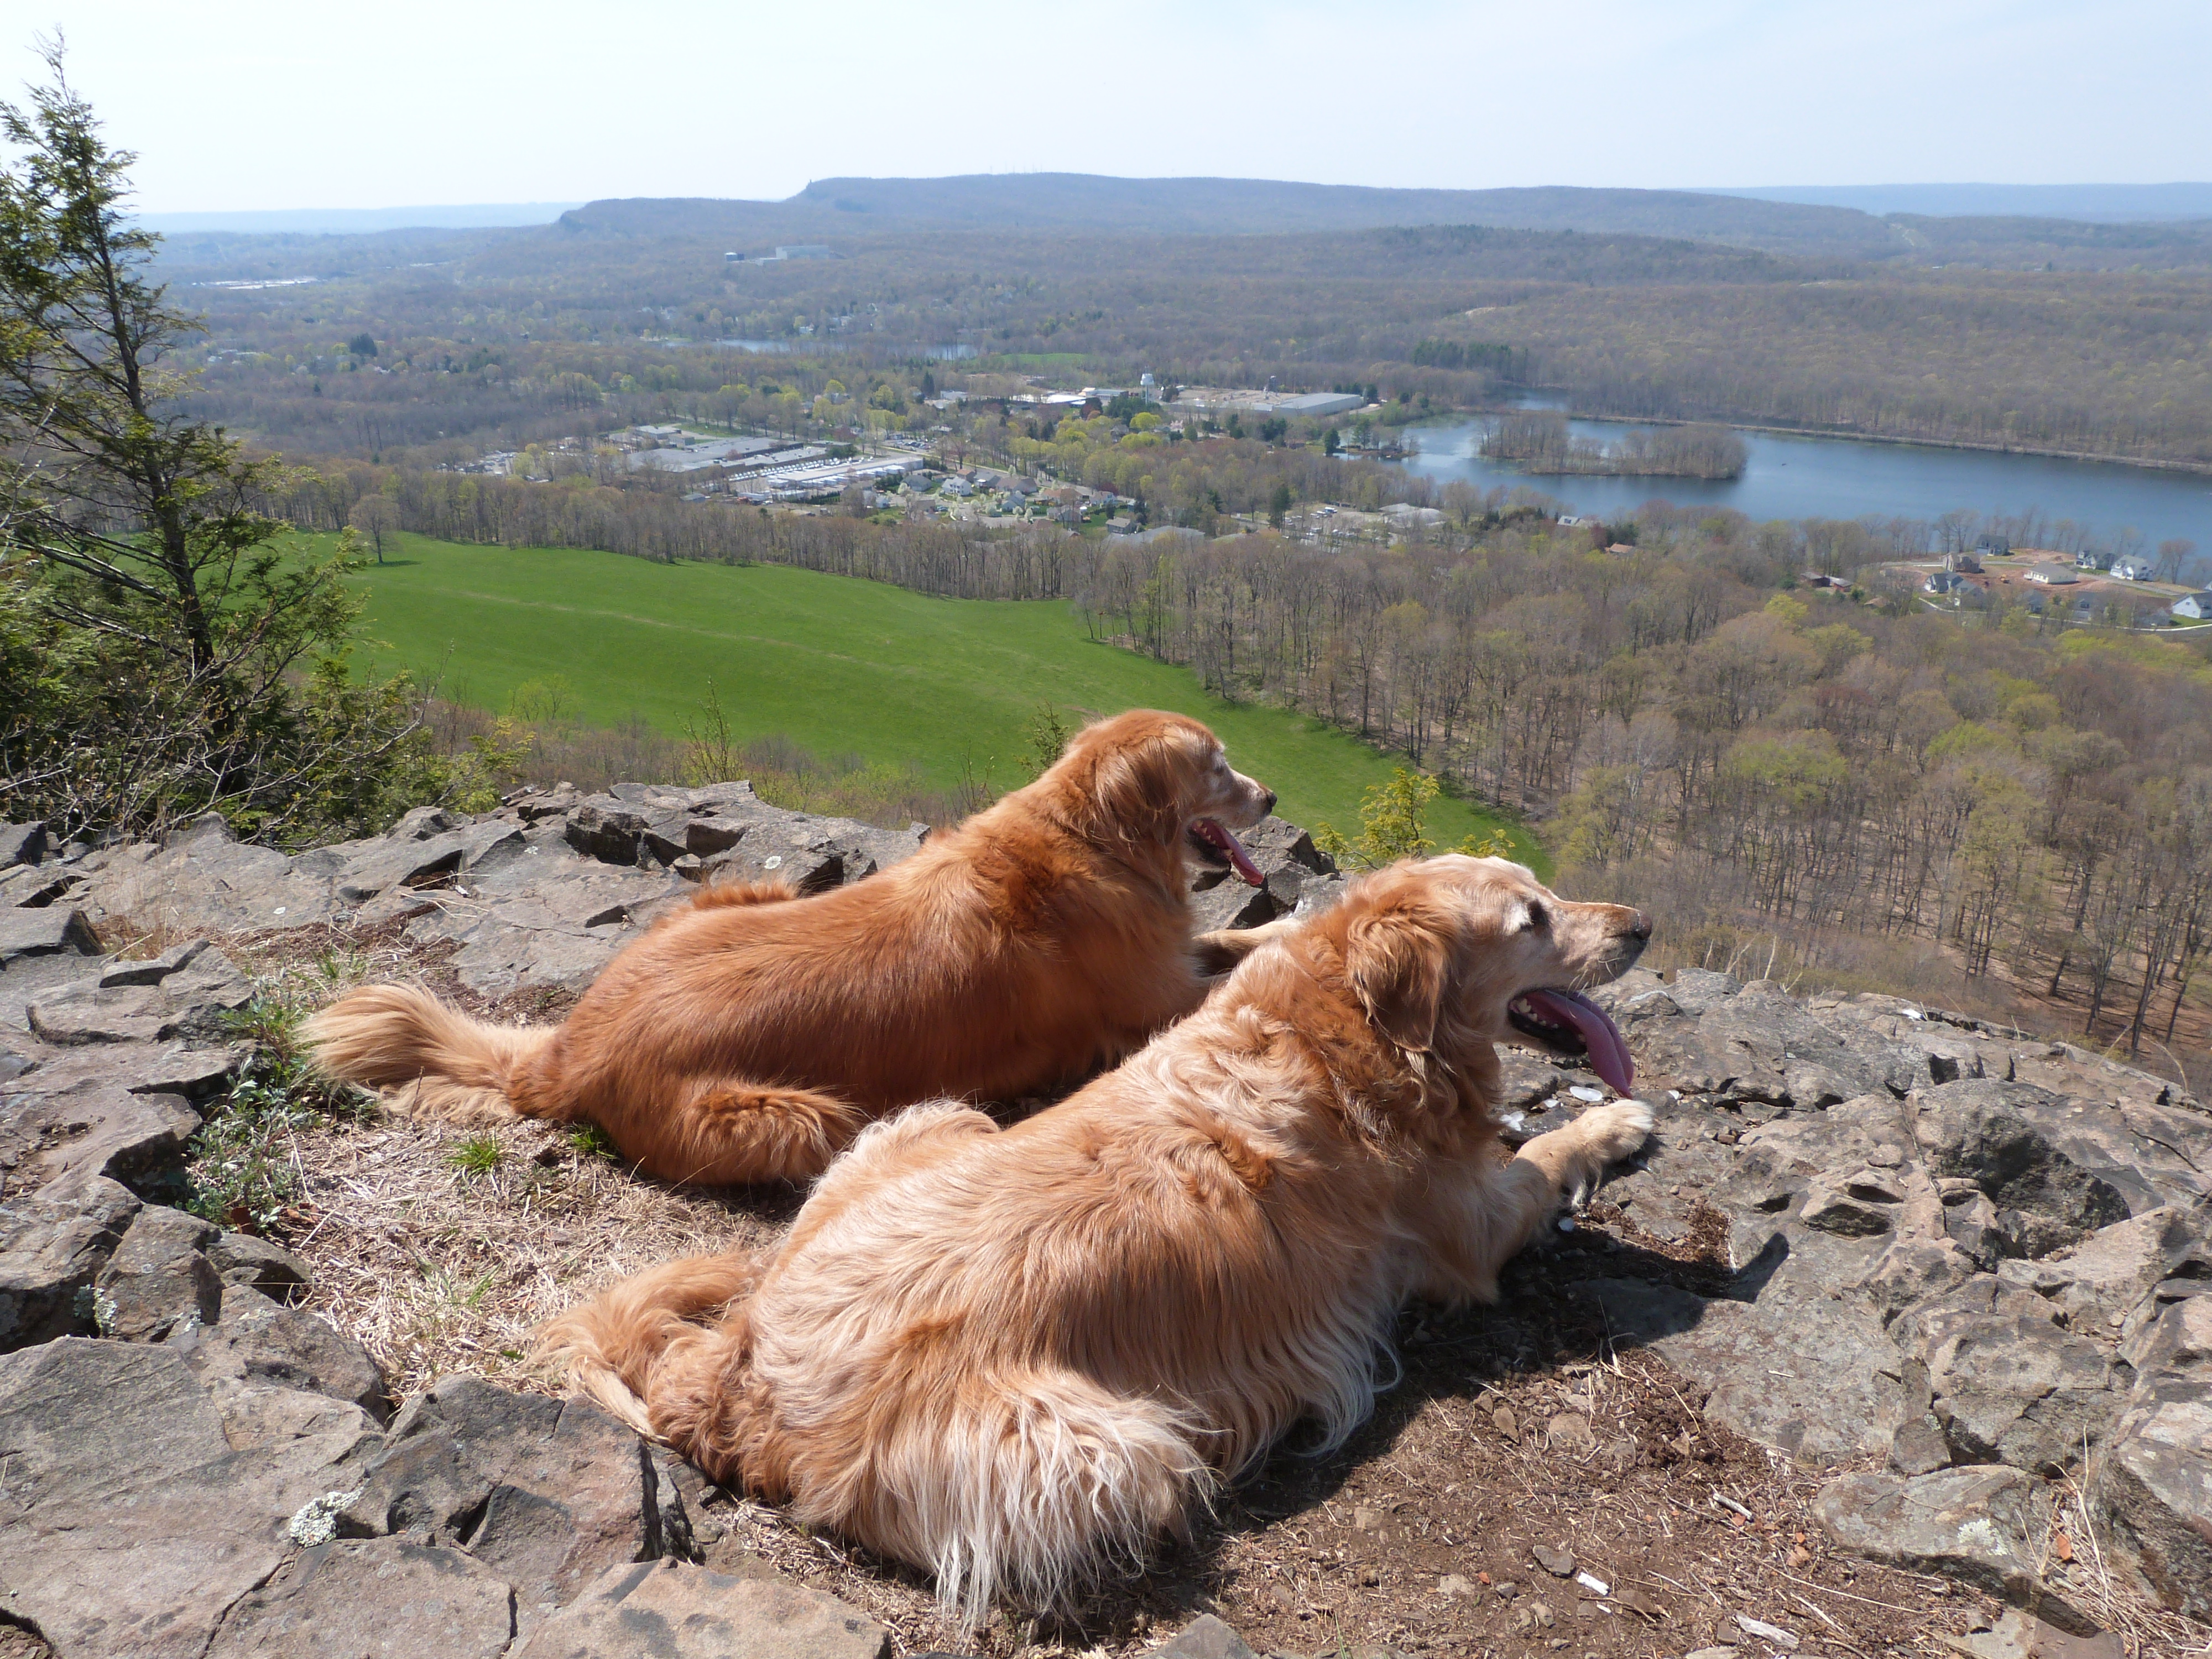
{"points": [[1138, 787], [1398, 958]]}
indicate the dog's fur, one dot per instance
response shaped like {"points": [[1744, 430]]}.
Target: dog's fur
{"points": [[752, 1033], [1010, 1356]]}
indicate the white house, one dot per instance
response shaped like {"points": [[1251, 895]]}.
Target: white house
{"points": [[2051, 575], [2132, 570], [2197, 607]]}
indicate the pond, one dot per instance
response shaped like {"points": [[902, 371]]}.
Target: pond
{"points": [[1788, 477]]}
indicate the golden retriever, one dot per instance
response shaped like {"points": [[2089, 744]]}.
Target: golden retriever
{"points": [[751, 1035], [1012, 1356]]}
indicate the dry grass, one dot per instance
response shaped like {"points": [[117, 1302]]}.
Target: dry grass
{"points": [[442, 1248]]}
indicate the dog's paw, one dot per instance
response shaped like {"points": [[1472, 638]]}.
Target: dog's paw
{"points": [[1611, 1133]]}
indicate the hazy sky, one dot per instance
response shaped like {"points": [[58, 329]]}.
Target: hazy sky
{"points": [[241, 104]]}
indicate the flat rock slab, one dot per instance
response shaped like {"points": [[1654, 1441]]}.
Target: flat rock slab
{"points": [[1983, 1526], [675, 1612], [129, 1523], [130, 1004], [547, 1492], [372, 1598]]}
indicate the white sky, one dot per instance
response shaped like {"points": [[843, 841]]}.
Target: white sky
{"points": [[245, 104]]}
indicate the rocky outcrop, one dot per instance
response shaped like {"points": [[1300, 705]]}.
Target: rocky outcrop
{"points": [[1980, 1263], [1981, 1258]]}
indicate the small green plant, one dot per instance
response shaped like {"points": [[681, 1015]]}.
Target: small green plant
{"points": [[475, 1155], [589, 1141], [1048, 736], [1392, 826], [241, 1168]]}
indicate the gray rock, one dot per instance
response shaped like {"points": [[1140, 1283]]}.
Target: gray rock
{"points": [[2044, 1200], [2014, 1389], [1228, 903], [1804, 1365], [372, 1596], [400, 861], [424, 824], [678, 1612], [2156, 1493], [51, 931], [60, 1121], [243, 1259], [158, 1280], [1207, 1637], [53, 1243], [609, 830], [21, 843], [2107, 1286], [550, 1492], [1982, 1525], [129, 1523], [251, 1338], [188, 1003]]}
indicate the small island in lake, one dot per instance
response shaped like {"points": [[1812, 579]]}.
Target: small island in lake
{"points": [[1538, 441]]}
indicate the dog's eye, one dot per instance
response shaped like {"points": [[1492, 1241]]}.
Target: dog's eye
{"points": [[1536, 918]]}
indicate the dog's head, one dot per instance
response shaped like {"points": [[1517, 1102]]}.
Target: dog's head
{"points": [[1447, 953], [1160, 778]]}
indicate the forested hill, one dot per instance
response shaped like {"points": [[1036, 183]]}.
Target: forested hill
{"points": [[830, 208], [1234, 206]]}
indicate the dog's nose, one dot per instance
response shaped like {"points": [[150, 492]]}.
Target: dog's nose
{"points": [[1270, 806], [1639, 927]]}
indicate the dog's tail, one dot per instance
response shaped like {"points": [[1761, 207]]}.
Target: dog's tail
{"points": [[609, 1347], [439, 1063], [1025, 1485]]}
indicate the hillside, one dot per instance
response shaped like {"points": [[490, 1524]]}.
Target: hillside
{"points": [[1071, 201], [837, 665]]}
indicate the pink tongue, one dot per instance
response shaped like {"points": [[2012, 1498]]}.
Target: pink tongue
{"points": [[1608, 1054], [1218, 834]]}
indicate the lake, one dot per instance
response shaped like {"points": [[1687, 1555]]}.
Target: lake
{"points": [[1795, 477]]}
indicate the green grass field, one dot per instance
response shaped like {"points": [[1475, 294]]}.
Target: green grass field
{"points": [[839, 666]]}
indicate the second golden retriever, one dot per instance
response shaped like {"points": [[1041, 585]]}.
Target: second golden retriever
{"points": [[751, 1035], [1012, 1356]]}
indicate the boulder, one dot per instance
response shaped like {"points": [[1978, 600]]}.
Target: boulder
{"points": [[129, 1523], [1206, 1638], [548, 1492], [2156, 1490], [1976, 1131], [244, 1259], [57, 1122], [372, 1596], [159, 1279], [21, 843], [1982, 1525], [2110, 1285], [47, 932], [53, 1242], [146, 1002], [250, 1338], [674, 1611]]}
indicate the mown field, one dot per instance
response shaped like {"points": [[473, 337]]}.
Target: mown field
{"points": [[838, 666]]}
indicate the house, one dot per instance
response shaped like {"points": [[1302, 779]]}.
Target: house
{"points": [[2197, 607], [1967, 564], [1570, 519], [1996, 547], [2051, 575], [2132, 570], [1944, 581], [2090, 559]]}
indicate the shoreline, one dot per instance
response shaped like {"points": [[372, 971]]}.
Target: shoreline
{"points": [[2201, 469]]}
